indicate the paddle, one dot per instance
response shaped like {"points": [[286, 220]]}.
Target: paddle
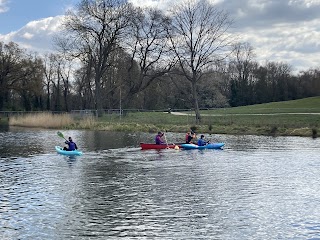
{"points": [[176, 147], [61, 135], [165, 138]]}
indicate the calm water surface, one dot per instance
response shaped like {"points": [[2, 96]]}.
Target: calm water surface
{"points": [[255, 188]]}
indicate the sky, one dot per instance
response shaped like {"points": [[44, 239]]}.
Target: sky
{"points": [[286, 31]]}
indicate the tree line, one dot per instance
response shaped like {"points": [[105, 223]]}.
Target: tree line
{"points": [[111, 54]]}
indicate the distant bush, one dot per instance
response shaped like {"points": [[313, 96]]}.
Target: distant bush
{"points": [[314, 133]]}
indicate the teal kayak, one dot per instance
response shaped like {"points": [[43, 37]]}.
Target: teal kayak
{"points": [[208, 146], [69, 153]]}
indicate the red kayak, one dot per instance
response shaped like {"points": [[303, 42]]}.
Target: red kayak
{"points": [[145, 146]]}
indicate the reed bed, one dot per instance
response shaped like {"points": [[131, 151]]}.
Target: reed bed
{"points": [[86, 123], [41, 120]]}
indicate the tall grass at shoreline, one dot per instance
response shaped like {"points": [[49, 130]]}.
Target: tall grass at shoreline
{"points": [[54, 121], [86, 123], [41, 120]]}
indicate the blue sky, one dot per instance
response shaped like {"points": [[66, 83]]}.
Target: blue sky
{"points": [[19, 12], [285, 31]]}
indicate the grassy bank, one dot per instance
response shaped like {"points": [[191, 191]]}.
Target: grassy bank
{"points": [[284, 125], [292, 118]]}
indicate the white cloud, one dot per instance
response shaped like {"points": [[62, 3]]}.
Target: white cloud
{"points": [[293, 43], [160, 4], [278, 30], [163, 4], [3, 6], [307, 3], [283, 31], [36, 35], [27, 35]]}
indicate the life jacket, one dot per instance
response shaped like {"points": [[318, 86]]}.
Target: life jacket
{"points": [[187, 137], [158, 140], [189, 140], [201, 142], [72, 146]]}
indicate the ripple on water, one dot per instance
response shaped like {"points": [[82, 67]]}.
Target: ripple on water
{"points": [[256, 188]]}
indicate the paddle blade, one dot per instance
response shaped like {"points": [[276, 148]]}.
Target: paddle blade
{"points": [[60, 135]]}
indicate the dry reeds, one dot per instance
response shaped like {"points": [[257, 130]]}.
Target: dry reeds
{"points": [[41, 120], [87, 123]]}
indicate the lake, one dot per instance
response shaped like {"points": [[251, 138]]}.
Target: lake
{"points": [[257, 187]]}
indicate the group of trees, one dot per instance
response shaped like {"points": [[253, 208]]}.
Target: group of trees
{"points": [[251, 83], [113, 55], [21, 78]]}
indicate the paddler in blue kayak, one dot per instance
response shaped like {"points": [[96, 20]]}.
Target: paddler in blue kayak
{"points": [[71, 145], [202, 142], [158, 138]]}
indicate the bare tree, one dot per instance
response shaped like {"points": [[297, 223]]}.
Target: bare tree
{"points": [[49, 75], [64, 73], [84, 87], [309, 84], [147, 50], [199, 38], [11, 57], [241, 61], [29, 85], [57, 73], [95, 32], [241, 69], [278, 73]]}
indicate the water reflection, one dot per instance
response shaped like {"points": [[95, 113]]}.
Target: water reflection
{"points": [[256, 188]]}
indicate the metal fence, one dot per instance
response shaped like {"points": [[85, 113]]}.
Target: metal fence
{"points": [[90, 112]]}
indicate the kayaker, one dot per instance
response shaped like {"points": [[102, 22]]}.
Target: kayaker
{"points": [[188, 137], [158, 138], [202, 142], [71, 145]]}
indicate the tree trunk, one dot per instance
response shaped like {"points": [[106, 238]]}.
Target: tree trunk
{"points": [[98, 98], [1, 102], [195, 101]]}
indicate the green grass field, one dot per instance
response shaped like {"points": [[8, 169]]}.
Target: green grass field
{"points": [[298, 117], [306, 105]]}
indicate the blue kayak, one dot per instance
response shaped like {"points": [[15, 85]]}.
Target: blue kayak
{"points": [[208, 146], [69, 153]]}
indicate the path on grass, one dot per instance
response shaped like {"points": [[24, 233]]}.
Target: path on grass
{"points": [[243, 114]]}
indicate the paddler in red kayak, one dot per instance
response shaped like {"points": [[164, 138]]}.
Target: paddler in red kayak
{"points": [[158, 138]]}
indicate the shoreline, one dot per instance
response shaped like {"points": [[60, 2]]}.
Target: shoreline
{"points": [[230, 130], [154, 122]]}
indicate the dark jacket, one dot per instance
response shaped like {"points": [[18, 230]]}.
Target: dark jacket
{"points": [[71, 145]]}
